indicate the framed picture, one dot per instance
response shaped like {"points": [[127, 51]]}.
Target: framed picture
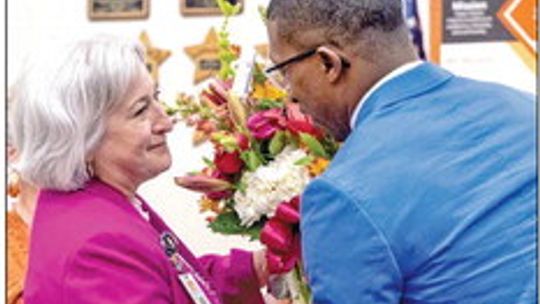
{"points": [[117, 9], [203, 7]]}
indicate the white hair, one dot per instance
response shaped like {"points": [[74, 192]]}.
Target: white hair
{"points": [[61, 102]]}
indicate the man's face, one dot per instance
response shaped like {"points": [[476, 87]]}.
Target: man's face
{"points": [[306, 81]]}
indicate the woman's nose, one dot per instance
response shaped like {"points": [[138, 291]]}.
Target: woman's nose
{"points": [[163, 123]]}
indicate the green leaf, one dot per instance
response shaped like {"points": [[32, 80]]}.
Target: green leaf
{"points": [[277, 143], [227, 8], [171, 111], [229, 223], [262, 12], [250, 159], [226, 141], [208, 162], [259, 76], [304, 161], [313, 145], [236, 9], [303, 286], [241, 186], [266, 104]]}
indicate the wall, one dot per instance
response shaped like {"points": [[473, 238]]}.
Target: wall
{"points": [[34, 23]]}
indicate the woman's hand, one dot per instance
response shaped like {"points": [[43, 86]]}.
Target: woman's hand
{"points": [[261, 267], [269, 299]]}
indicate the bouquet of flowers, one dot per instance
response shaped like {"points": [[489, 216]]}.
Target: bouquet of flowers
{"points": [[265, 150]]}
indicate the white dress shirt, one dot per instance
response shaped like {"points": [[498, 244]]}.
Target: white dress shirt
{"points": [[400, 70]]}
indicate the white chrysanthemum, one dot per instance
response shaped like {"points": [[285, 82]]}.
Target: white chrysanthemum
{"points": [[270, 185]]}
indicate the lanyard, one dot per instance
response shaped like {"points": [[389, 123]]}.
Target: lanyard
{"points": [[196, 286]]}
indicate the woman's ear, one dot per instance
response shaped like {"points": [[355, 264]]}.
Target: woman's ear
{"points": [[12, 154], [331, 62]]}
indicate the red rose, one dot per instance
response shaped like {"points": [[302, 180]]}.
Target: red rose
{"points": [[228, 163]]}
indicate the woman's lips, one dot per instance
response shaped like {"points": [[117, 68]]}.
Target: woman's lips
{"points": [[158, 145]]}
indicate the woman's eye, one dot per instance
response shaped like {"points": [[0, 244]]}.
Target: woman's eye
{"points": [[142, 109]]}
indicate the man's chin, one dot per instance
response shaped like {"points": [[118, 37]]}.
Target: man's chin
{"points": [[338, 134], [324, 128]]}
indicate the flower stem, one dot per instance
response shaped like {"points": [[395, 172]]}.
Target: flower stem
{"points": [[303, 288]]}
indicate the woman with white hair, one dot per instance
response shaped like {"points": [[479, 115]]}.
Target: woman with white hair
{"points": [[90, 132], [23, 197]]}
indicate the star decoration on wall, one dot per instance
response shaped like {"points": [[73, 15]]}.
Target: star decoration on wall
{"points": [[205, 56], [154, 57]]}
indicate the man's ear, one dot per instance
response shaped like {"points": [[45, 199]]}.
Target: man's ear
{"points": [[331, 63]]}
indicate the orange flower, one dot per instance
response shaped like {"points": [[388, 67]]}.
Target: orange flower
{"points": [[267, 91], [236, 50], [207, 204], [318, 166]]}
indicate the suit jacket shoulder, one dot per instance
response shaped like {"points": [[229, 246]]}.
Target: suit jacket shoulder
{"points": [[91, 233]]}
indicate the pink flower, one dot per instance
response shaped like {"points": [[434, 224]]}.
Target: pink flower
{"points": [[297, 122], [213, 183], [242, 141], [206, 126], [265, 124], [300, 126], [294, 113], [217, 92], [281, 236], [218, 195], [203, 183], [228, 162]]}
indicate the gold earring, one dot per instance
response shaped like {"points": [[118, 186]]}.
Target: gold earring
{"points": [[14, 184], [89, 169]]}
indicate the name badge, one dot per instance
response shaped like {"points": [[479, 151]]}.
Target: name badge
{"points": [[194, 290], [185, 271]]}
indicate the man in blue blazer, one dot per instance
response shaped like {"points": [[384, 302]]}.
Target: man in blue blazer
{"points": [[432, 197]]}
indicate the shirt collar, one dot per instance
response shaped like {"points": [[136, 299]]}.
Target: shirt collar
{"points": [[398, 71]]}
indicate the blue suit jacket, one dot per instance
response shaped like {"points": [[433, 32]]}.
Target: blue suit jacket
{"points": [[431, 199]]}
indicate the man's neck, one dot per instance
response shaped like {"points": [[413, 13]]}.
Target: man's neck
{"points": [[383, 75]]}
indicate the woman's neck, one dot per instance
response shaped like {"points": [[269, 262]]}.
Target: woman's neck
{"points": [[123, 186]]}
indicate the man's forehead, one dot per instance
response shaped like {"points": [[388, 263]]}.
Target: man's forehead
{"points": [[279, 45], [275, 41]]}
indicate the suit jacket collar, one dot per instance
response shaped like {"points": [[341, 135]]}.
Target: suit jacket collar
{"points": [[102, 189], [414, 82]]}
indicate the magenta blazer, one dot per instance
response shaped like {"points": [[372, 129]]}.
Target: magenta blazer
{"points": [[92, 246]]}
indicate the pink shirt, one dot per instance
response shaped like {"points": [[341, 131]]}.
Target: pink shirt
{"points": [[92, 246]]}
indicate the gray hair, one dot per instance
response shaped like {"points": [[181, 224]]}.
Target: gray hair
{"points": [[362, 24], [60, 105]]}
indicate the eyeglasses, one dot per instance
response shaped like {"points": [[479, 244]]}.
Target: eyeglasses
{"points": [[301, 57]]}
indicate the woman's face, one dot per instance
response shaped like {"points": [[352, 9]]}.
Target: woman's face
{"points": [[134, 148]]}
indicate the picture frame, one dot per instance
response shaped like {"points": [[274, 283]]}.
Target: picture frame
{"points": [[203, 7], [117, 9]]}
